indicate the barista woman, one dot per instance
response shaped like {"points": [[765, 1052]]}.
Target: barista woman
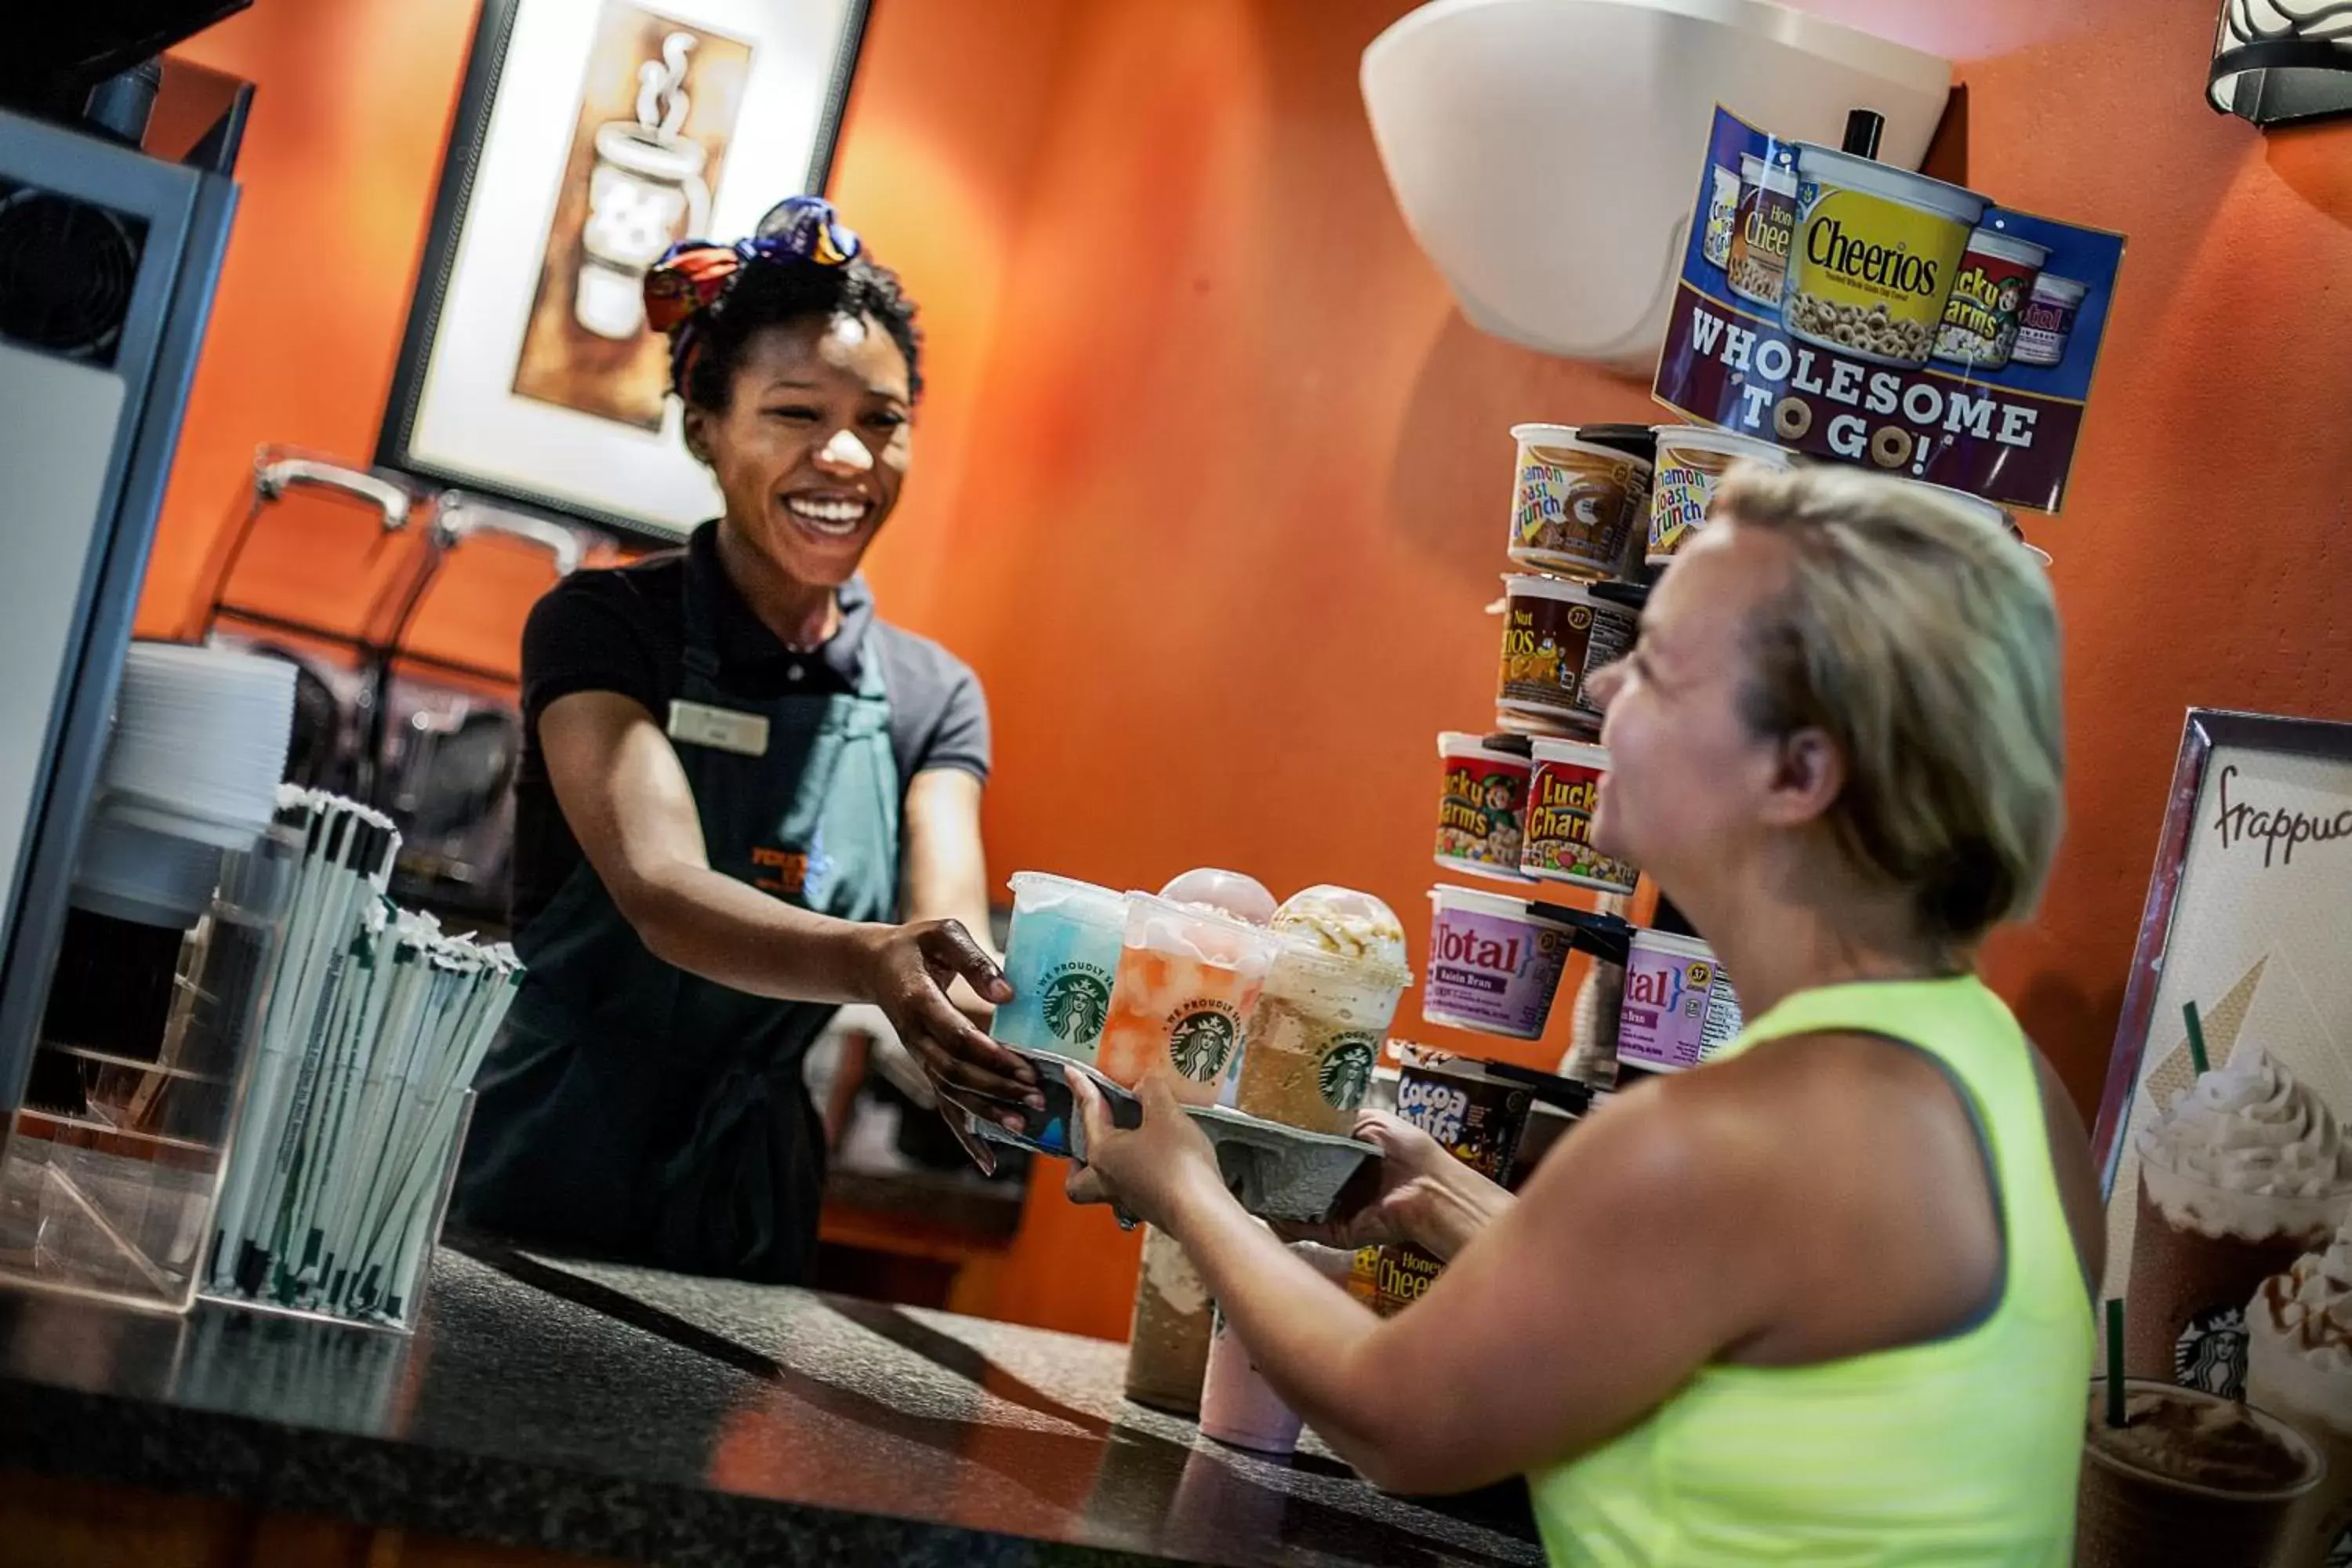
{"points": [[739, 783]]}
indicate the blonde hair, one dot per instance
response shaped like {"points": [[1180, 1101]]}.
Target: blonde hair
{"points": [[1923, 640]]}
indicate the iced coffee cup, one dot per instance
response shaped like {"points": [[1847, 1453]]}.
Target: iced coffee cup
{"points": [[1060, 959], [1328, 1000], [1168, 1340], [1187, 980], [2189, 1480], [2246, 1172], [2299, 1369]]}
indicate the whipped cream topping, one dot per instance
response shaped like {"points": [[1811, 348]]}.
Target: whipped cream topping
{"points": [[1344, 922], [2308, 1309], [2249, 1127]]}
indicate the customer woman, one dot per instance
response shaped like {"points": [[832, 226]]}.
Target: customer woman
{"points": [[1824, 1301], [737, 781]]}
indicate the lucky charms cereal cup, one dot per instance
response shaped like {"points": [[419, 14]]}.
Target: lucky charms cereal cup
{"points": [[1494, 962], [1576, 501], [1691, 458], [1060, 959], [1555, 635], [1561, 794], [1482, 803], [1988, 299], [1187, 981]]}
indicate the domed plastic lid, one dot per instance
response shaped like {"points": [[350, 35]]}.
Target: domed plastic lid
{"points": [[1225, 892], [1343, 921]]}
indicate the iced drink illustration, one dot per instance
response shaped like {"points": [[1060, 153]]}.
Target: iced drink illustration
{"points": [[2299, 1369], [2189, 1480], [2243, 1173]]}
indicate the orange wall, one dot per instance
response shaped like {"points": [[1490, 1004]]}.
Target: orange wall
{"points": [[1213, 481], [355, 106], [1242, 471]]}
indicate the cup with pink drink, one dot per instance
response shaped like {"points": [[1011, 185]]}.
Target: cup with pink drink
{"points": [[1238, 1405]]}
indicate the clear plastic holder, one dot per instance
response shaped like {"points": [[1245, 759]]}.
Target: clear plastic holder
{"points": [[402, 1318], [112, 1169]]}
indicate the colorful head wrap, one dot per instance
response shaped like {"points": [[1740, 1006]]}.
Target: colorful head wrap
{"points": [[694, 275]]}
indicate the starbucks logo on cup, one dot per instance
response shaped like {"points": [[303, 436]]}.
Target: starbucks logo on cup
{"points": [[1346, 1075], [2210, 1352], [1200, 1041], [1075, 1004]]}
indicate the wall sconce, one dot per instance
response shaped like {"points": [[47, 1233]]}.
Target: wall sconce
{"points": [[2279, 62]]}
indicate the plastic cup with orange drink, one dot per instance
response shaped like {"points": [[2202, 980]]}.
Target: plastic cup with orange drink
{"points": [[1187, 981]]}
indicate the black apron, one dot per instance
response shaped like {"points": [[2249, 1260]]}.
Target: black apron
{"points": [[636, 1111]]}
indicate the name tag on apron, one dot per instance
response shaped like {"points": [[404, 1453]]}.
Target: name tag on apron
{"points": [[699, 724]]}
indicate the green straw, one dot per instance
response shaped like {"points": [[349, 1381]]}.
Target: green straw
{"points": [[2115, 1359], [2196, 1038]]}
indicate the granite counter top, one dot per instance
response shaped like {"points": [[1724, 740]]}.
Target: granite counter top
{"points": [[619, 1412]]}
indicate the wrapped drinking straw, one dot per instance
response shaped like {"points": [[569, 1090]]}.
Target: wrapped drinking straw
{"points": [[376, 1025]]}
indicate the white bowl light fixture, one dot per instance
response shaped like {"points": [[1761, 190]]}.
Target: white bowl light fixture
{"points": [[1546, 153], [2276, 62]]}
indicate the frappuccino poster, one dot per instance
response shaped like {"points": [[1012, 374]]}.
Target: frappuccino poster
{"points": [[1853, 311], [2230, 1189]]}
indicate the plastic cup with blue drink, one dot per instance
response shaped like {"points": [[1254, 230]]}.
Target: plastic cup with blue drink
{"points": [[1061, 959]]}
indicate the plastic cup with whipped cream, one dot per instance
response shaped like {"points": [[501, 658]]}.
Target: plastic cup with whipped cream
{"points": [[1168, 1340], [2299, 1369], [2241, 1175], [1329, 997]]}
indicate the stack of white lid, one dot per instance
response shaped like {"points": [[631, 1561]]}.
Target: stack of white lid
{"points": [[200, 739], [199, 745]]}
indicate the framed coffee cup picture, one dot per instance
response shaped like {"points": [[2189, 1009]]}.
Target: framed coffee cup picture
{"points": [[2225, 1133], [591, 136]]}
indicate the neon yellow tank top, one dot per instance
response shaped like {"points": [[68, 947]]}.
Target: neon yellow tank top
{"points": [[1962, 1451]]}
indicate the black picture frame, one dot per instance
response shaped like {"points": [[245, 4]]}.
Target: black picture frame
{"points": [[2205, 732], [486, 65]]}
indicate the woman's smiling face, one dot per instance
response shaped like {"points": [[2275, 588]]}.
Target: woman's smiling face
{"points": [[813, 447]]}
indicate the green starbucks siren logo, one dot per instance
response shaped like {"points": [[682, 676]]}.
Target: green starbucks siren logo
{"points": [[1075, 1004], [1199, 1043], [1346, 1072]]}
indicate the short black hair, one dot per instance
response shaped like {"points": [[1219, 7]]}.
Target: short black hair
{"points": [[775, 293]]}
